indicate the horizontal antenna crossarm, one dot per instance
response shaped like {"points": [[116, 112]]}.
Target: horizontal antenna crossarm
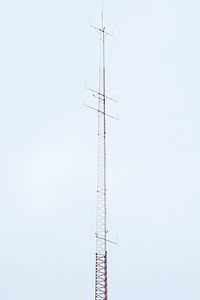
{"points": [[101, 112], [100, 94], [101, 238], [101, 30]]}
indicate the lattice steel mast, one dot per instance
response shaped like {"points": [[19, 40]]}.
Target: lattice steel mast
{"points": [[101, 276]]}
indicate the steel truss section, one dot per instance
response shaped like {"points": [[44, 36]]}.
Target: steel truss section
{"points": [[101, 291]]}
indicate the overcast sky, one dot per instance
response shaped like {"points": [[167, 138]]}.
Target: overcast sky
{"points": [[48, 146]]}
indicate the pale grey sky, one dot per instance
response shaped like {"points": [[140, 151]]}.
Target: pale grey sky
{"points": [[48, 149]]}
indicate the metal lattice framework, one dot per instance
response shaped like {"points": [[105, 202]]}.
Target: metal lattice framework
{"points": [[101, 290], [101, 278]]}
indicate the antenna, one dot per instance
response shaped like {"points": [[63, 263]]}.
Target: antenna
{"points": [[101, 276], [101, 270]]}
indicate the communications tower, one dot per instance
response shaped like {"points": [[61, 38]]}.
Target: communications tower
{"points": [[101, 270]]}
